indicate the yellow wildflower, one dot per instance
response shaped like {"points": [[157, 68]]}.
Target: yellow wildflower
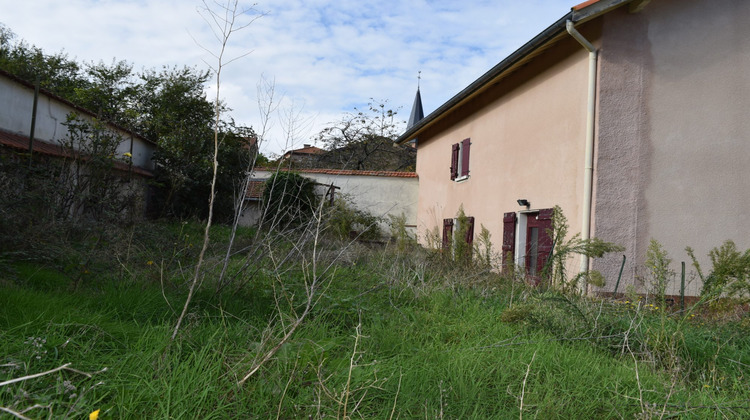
{"points": [[150, 262], [94, 415], [127, 154]]}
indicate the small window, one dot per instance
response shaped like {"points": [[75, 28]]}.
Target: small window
{"points": [[449, 240], [460, 160]]}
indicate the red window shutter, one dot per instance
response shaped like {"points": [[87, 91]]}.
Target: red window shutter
{"points": [[545, 237], [454, 161], [465, 145], [470, 237], [470, 231], [509, 238], [447, 233]]}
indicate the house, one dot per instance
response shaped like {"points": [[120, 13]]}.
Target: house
{"points": [[629, 114], [381, 193], [19, 118], [306, 156]]}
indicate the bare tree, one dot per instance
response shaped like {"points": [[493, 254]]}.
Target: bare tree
{"points": [[364, 140], [223, 21]]}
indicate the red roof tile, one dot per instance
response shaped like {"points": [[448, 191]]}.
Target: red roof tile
{"points": [[585, 4], [19, 142], [255, 189]]}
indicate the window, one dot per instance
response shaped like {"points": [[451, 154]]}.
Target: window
{"points": [[449, 241], [460, 160], [527, 240]]}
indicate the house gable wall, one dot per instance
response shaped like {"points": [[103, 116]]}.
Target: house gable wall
{"points": [[528, 140], [674, 144]]}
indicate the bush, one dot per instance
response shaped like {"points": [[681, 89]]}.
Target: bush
{"points": [[730, 274], [288, 200], [345, 220]]}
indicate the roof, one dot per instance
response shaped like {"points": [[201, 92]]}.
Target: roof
{"points": [[60, 99], [19, 142], [307, 150], [417, 113], [578, 14], [255, 189], [392, 174]]}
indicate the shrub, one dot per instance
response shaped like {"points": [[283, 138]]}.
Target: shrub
{"points": [[344, 220], [657, 262], [563, 249], [730, 273], [405, 241], [288, 200]]}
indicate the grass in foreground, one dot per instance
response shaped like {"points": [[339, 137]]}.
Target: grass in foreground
{"points": [[391, 337]]}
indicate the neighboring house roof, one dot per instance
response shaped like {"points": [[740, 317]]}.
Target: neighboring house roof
{"points": [[78, 108], [580, 13], [19, 142], [393, 174], [307, 150]]}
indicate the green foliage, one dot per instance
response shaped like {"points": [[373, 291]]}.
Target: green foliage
{"points": [[404, 240], [483, 249], [730, 272], [89, 185], [378, 343], [168, 107], [181, 121], [346, 221], [657, 264], [391, 335], [462, 251], [565, 248], [56, 72], [289, 200]]}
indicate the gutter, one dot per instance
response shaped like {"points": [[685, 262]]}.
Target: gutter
{"points": [[588, 176]]}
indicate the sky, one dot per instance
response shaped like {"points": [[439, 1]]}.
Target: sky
{"points": [[320, 59]]}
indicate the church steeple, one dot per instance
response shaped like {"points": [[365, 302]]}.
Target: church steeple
{"points": [[416, 110]]}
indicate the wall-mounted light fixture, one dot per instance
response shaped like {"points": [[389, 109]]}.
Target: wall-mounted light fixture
{"points": [[523, 202]]}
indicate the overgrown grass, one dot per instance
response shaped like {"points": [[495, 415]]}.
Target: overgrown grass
{"points": [[392, 336]]}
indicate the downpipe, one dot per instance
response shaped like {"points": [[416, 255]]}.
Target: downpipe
{"points": [[588, 177]]}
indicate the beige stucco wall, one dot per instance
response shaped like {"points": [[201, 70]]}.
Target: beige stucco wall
{"points": [[528, 140], [381, 196], [17, 101], [674, 129]]}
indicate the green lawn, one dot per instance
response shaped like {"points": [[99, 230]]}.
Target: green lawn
{"points": [[391, 336]]}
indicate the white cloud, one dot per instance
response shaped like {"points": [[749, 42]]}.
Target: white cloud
{"points": [[326, 56]]}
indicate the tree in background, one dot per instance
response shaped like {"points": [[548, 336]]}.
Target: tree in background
{"points": [[168, 107], [56, 73], [365, 141]]}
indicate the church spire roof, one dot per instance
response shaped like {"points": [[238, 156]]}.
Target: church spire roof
{"points": [[416, 110]]}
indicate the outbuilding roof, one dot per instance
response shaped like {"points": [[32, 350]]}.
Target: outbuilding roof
{"points": [[21, 143]]}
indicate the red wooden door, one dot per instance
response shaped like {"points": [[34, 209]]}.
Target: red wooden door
{"points": [[538, 242]]}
